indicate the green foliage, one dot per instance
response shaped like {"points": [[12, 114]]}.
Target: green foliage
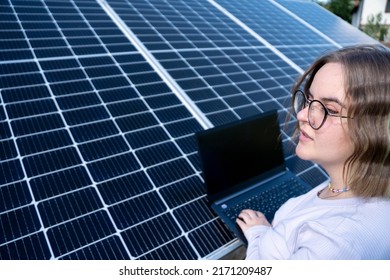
{"points": [[341, 8], [375, 28]]}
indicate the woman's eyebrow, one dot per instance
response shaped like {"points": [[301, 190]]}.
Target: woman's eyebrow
{"points": [[327, 99], [333, 99]]}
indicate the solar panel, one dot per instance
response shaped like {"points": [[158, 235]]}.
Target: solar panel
{"points": [[100, 101], [333, 27]]}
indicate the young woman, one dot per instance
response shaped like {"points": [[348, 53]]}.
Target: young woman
{"points": [[342, 104]]}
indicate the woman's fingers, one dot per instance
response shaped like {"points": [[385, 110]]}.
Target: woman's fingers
{"points": [[249, 218]]}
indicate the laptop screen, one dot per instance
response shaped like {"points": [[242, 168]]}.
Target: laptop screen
{"points": [[239, 152]]}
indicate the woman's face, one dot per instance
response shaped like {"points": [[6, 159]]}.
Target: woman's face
{"points": [[330, 145]]}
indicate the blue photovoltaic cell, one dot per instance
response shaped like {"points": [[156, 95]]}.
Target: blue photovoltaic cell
{"points": [[158, 153], [184, 127], [98, 158], [136, 210], [85, 115], [7, 150], [213, 234], [183, 191], [164, 224], [126, 107], [103, 148], [36, 124], [193, 215], [32, 247], [77, 101], [124, 187], [59, 183], [162, 101], [147, 137], [25, 109], [36, 143], [70, 87], [11, 171], [2, 114], [187, 144], [18, 67], [93, 131], [111, 248], [72, 235], [171, 171], [113, 166], [135, 122], [27, 221], [51, 161], [64, 75], [118, 94], [68, 206], [24, 93], [179, 249], [14, 196], [21, 80]]}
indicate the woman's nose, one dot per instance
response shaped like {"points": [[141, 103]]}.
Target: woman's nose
{"points": [[302, 115]]}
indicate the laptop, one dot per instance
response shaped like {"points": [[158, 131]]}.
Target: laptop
{"points": [[243, 167]]}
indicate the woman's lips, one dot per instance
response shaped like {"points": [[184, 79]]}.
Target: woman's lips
{"points": [[304, 136]]}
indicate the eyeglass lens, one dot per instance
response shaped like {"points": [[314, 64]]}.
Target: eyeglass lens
{"points": [[316, 112]]}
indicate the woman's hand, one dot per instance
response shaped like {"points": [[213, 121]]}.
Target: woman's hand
{"points": [[249, 218]]}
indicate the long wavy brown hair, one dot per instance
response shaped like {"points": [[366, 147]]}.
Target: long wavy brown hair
{"points": [[367, 88]]}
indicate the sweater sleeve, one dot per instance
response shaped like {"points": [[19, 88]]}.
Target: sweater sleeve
{"points": [[312, 242], [315, 242], [265, 243]]}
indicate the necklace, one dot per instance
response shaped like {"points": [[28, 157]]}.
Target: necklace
{"points": [[333, 190]]}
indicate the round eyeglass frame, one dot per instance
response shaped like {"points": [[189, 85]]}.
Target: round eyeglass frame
{"points": [[309, 103]]}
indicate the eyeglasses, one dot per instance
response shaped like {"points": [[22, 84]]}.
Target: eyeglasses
{"points": [[317, 113]]}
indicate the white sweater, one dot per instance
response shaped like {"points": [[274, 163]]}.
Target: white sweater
{"points": [[308, 227]]}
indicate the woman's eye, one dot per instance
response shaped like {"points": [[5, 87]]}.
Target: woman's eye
{"points": [[332, 111]]}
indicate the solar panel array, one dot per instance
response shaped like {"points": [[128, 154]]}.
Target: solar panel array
{"points": [[100, 101]]}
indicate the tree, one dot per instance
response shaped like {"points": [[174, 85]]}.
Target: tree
{"points": [[341, 8], [375, 28]]}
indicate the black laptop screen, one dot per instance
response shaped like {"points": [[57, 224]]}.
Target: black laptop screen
{"points": [[240, 151]]}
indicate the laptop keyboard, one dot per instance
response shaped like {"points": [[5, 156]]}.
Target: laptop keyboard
{"points": [[270, 200]]}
